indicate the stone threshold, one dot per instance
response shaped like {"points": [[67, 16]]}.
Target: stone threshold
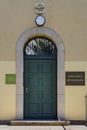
{"points": [[39, 123]]}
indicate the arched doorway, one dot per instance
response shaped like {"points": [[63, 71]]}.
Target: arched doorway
{"points": [[40, 79], [53, 36]]}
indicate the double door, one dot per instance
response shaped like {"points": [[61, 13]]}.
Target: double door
{"points": [[40, 84]]}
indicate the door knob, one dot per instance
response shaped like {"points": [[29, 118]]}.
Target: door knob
{"points": [[26, 90]]}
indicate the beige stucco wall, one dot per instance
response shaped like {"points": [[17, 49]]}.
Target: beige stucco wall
{"points": [[66, 17], [75, 105], [7, 91]]}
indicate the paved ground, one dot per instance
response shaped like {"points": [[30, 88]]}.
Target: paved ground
{"points": [[75, 127], [71, 127]]}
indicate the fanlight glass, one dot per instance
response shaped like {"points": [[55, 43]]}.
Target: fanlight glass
{"points": [[40, 46]]}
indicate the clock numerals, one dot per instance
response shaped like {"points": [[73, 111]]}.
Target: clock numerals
{"points": [[40, 20]]}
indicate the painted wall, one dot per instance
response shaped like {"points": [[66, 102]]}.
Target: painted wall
{"points": [[69, 19], [75, 105], [7, 91]]}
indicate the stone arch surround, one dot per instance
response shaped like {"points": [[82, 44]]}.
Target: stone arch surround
{"points": [[52, 35]]}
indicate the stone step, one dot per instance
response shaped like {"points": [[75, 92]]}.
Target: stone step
{"points": [[39, 123]]}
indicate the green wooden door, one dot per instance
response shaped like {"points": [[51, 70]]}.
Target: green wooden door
{"points": [[40, 94]]}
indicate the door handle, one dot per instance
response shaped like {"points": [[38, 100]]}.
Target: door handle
{"points": [[26, 90]]}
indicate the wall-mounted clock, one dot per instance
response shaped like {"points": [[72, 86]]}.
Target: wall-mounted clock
{"points": [[40, 20]]}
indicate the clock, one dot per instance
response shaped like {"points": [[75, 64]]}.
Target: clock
{"points": [[40, 20]]}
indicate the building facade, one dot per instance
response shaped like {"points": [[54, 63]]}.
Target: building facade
{"points": [[43, 64]]}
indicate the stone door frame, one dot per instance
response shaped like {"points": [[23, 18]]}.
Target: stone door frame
{"points": [[53, 36]]}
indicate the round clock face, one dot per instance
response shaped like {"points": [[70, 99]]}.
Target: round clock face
{"points": [[40, 20]]}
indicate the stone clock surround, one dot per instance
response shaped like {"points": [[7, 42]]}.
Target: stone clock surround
{"points": [[52, 35]]}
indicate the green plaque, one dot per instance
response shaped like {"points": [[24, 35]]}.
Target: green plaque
{"points": [[10, 78]]}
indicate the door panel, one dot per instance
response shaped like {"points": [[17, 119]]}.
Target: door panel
{"points": [[40, 89]]}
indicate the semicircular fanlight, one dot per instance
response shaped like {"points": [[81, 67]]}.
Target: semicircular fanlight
{"points": [[40, 46]]}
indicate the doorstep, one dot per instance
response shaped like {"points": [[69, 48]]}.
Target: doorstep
{"points": [[39, 123]]}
